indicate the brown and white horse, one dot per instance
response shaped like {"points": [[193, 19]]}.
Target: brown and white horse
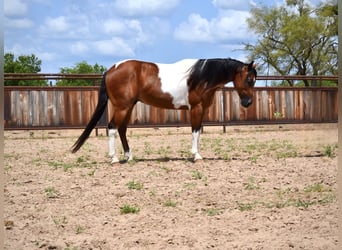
{"points": [[187, 84]]}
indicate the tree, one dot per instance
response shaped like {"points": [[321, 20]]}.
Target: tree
{"points": [[23, 64], [295, 39], [80, 68]]}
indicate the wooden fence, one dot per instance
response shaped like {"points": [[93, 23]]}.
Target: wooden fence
{"points": [[72, 107]]}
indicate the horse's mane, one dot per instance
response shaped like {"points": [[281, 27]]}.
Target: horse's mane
{"points": [[212, 71]]}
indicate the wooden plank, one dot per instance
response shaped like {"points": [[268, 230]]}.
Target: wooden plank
{"points": [[227, 114], [271, 104], [264, 105], [235, 106], [289, 105]]}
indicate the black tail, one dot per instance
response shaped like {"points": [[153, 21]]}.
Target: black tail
{"points": [[100, 108]]}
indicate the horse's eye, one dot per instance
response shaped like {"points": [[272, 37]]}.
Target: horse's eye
{"points": [[250, 81]]}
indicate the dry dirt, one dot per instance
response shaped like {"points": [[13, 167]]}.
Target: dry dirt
{"points": [[258, 187]]}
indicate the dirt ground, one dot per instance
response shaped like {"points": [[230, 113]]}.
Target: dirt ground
{"points": [[258, 187]]}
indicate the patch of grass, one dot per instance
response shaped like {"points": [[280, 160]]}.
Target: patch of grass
{"points": [[277, 115], [152, 193], [301, 203], [80, 159], [71, 248], [132, 162], [51, 192], [135, 185], [230, 148], [251, 184], [311, 195], [213, 211], [185, 153], [190, 185], [147, 148], [128, 209], [91, 173], [326, 199], [315, 194], [164, 152], [253, 158], [37, 162], [226, 157], [245, 206], [56, 165], [81, 162], [170, 203], [62, 221], [196, 174], [79, 229], [317, 187], [329, 150], [67, 166]]}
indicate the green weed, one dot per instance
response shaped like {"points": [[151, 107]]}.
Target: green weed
{"points": [[135, 185], [245, 206], [329, 151], [251, 184], [170, 203], [128, 209], [79, 229], [51, 192], [213, 211], [197, 175]]}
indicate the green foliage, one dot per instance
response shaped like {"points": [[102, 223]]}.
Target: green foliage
{"points": [[170, 203], [51, 192], [80, 68], [135, 185], [128, 209], [295, 39], [23, 64]]}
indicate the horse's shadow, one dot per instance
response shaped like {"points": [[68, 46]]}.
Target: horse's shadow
{"points": [[170, 159]]}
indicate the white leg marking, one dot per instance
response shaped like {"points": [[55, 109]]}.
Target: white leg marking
{"points": [[111, 143], [195, 144], [129, 155]]}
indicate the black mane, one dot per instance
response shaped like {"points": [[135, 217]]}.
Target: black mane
{"points": [[212, 71]]}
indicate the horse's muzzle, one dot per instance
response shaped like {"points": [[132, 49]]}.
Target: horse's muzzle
{"points": [[246, 101]]}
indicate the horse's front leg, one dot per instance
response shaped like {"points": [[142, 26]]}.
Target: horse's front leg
{"points": [[195, 145], [196, 115]]}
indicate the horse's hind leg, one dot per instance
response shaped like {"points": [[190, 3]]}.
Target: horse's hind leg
{"points": [[119, 124], [127, 151], [122, 132], [112, 131]]}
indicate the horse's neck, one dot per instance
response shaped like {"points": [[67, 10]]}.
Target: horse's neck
{"points": [[204, 95]]}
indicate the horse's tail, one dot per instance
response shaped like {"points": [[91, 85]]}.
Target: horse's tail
{"points": [[100, 108]]}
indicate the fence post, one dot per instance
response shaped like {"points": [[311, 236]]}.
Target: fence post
{"points": [[224, 100]]}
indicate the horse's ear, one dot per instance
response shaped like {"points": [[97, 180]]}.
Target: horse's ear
{"points": [[251, 65]]}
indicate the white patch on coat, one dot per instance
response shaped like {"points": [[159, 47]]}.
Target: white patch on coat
{"points": [[174, 80]]}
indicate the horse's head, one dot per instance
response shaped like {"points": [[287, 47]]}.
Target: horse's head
{"points": [[244, 82]]}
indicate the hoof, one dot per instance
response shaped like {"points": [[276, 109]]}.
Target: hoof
{"points": [[198, 158], [115, 160], [128, 156]]}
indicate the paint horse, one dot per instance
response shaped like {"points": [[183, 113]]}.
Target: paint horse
{"points": [[187, 84]]}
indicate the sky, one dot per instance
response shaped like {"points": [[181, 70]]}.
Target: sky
{"points": [[65, 32]]}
